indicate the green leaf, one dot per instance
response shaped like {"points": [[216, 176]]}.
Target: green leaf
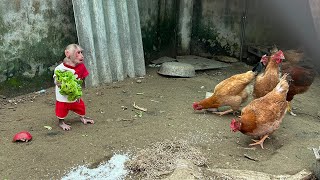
{"points": [[70, 85]]}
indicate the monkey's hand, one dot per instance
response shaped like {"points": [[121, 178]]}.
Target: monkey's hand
{"points": [[57, 83]]}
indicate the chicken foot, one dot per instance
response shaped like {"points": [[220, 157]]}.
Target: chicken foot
{"points": [[289, 109], [259, 141], [224, 112]]}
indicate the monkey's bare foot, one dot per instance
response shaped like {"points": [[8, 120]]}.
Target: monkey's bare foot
{"points": [[86, 120], [64, 126]]}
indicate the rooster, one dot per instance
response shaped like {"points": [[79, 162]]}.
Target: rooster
{"points": [[266, 81], [229, 92], [262, 116], [301, 77]]}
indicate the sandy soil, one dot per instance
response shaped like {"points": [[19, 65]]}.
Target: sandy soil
{"points": [[120, 128]]}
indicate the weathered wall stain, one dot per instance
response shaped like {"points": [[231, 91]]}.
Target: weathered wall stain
{"points": [[33, 36]]}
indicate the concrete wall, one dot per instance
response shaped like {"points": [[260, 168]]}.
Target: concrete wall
{"points": [[217, 25], [35, 32], [33, 36], [180, 27], [158, 20], [290, 24], [185, 27]]}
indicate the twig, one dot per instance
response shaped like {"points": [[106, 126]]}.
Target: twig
{"points": [[139, 108], [126, 119], [250, 158]]}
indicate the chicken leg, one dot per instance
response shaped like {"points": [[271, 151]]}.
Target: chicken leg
{"points": [[289, 109], [224, 112], [259, 141]]}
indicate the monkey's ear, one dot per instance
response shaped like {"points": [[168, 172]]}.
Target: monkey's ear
{"points": [[67, 53]]}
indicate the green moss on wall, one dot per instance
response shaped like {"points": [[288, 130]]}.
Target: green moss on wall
{"points": [[3, 29], [18, 85], [215, 41], [158, 38], [38, 58], [149, 37], [158, 29], [214, 34], [167, 32]]}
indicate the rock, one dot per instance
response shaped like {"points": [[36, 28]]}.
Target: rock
{"points": [[253, 175], [206, 55], [185, 170]]}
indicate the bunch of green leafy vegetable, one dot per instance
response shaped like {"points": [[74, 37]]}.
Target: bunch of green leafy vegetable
{"points": [[69, 84]]}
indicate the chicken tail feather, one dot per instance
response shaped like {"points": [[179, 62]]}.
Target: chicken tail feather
{"points": [[258, 68], [283, 85], [285, 76]]}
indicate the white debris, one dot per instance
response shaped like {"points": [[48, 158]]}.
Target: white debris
{"points": [[111, 170]]}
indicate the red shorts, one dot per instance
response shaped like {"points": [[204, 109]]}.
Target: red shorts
{"points": [[62, 108]]}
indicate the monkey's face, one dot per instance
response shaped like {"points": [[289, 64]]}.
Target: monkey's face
{"points": [[77, 56]]}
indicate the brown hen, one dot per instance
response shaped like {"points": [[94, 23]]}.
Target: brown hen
{"points": [[229, 92], [266, 81], [301, 75], [262, 116]]}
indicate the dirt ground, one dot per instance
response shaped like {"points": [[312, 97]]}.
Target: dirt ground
{"points": [[120, 128]]}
